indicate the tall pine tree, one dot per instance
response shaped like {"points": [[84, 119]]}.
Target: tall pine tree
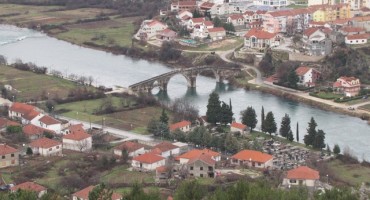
{"points": [[297, 133], [319, 141], [285, 126], [262, 119], [249, 117], [270, 124], [226, 114], [311, 132], [213, 108], [164, 117]]}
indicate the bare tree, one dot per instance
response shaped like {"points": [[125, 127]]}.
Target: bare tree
{"points": [[72, 76], [82, 80], [184, 110], [90, 79], [82, 145]]}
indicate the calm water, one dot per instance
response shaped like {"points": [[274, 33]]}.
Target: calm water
{"points": [[111, 70]]}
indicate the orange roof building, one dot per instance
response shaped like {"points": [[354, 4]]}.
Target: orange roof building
{"points": [[133, 149], [186, 157], [5, 123], [84, 194], [252, 158], [166, 149], [10, 156], [33, 132], [183, 126], [147, 162], [30, 186], [46, 147], [77, 140], [302, 175], [238, 127], [258, 38]]}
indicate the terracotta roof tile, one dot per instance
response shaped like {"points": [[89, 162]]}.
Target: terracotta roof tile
{"points": [[44, 143], [206, 5], [260, 34], [30, 186], [349, 29], [196, 152], [300, 71], [208, 23], [129, 146], [84, 193], [165, 146], [187, 3], [309, 31], [303, 172], [161, 169], [216, 29], [77, 135], [198, 20], [364, 36], [155, 22], [148, 158], [179, 125], [6, 149], [238, 125], [21, 108], [31, 129], [253, 155], [5, 122], [31, 115], [236, 16], [49, 120], [204, 158]]}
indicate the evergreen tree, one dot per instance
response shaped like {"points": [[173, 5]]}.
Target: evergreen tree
{"points": [[249, 117], [29, 151], [164, 117], [292, 79], [197, 14], [336, 149], [158, 129], [213, 108], [100, 192], [328, 149], [190, 190], [231, 143], [319, 141], [217, 22], [290, 136], [297, 132], [226, 114], [311, 132], [262, 119], [285, 126], [270, 124]]}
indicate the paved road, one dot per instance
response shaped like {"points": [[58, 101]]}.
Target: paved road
{"points": [[126, 135]]}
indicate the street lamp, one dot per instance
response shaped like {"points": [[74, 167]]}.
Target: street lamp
{"points": [[327, 178]]}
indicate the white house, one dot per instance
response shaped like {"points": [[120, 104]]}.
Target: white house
{"points": [[217, 33], [30, 186], [150, 28], [46, 147], [236, 19], [84, 194], [301, 176], [24, 112], [357, 39], [185, 14], [49, 123], [252, 159], [238, 127], [133, 149], [183, 126], [77, 141], [147, 162], [257, 38], [195, 21], [184, 158], [307, 76], [166, 149]]}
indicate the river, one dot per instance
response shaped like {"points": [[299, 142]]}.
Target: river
{"points": [[112, 70]]}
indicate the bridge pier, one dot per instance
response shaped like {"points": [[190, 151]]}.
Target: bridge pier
{"points": [[192, 82]]}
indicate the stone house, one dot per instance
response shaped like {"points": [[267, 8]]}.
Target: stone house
{"points": [[46, 147], [34, 132], [202, 166], [301, 176], [9, 156]]}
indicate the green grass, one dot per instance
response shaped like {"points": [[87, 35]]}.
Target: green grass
{"points": [[297, 6], [32, 86], [237, 41], [206, 181], [7, 178], [120, 174], [108, 33], [353, 174], [255, 134], [328, 95]]}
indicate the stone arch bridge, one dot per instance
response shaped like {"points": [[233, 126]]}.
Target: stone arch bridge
{"points": [[190, 75]]}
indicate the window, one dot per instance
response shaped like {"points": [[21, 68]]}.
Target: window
{"points": [[293, 181], [201, 175], [3, 157], [12, 155], [191, 168], [201, 168], [57, 147], [50, 149]]}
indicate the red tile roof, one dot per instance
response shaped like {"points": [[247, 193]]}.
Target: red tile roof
{"points": [[21, 108], [76, 127], [148, 158], [309, 31], [77, 135], [252, 155], [44, 143], [155, 22], [300, 71], [161, 169], [84, 193], [5, 122], [206, 5], [216, 29], [248, 13], [208, 23], [198, 20], [187, 3], [303, 172], [204, 158], [260, 34], [32, 114], [196, 152], [31, 129], [238, 125], [179, 125], [129, 146], [30, 186], [165, 146], [49, 120], [349, 29], [6, 149], [364, 36], [236, 16]]}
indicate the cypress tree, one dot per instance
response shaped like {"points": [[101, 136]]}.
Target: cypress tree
{"points": [[285, 126], [297, 133], [262, 119], [249, 117], [270, 124], [213, 108], [309, 138], [164, 117]]}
